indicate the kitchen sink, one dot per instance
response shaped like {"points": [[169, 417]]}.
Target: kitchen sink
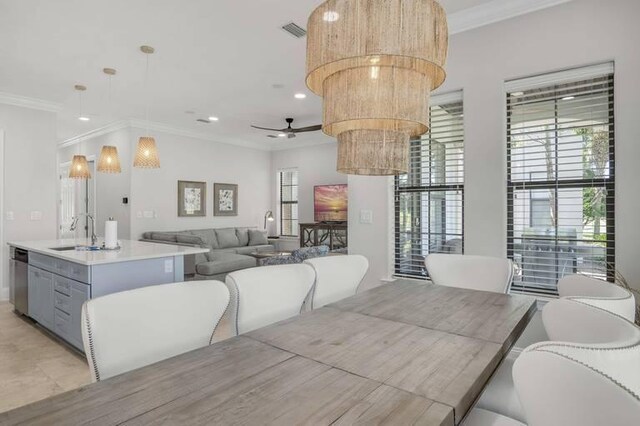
{"points": [[67, 248]]}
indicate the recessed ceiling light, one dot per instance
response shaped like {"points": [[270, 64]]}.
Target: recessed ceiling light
{"points": [[213, 118], [331, 16], [282, 135], [517, 93], [568, 98], [300, 96], [83, 118]]}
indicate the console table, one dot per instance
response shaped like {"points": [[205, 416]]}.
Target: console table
{"points": [[333, 235]]}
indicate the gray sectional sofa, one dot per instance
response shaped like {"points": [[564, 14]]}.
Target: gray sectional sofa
{"points": [[229, 249]]}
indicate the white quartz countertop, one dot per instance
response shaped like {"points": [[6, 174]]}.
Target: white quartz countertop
{"points": [[130, 250]]}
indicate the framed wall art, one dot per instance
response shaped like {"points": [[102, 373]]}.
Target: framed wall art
{"points": [[225, 199], [192, 199]]}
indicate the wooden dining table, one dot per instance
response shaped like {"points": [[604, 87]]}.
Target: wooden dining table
{"points": [[407, 352]]}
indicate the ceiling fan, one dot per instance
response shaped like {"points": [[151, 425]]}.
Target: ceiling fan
{"points": [[289, 132]]}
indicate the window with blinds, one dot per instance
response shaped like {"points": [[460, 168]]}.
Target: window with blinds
{"points": [[561, 186], [288, 191], [429, 199]]}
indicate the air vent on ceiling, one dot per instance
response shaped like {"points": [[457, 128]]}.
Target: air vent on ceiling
{"points": [[295, 30], [203, 120]]}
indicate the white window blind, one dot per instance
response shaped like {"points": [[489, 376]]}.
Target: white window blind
{"points": [[429, 199], [561, 186], [288, 191]]}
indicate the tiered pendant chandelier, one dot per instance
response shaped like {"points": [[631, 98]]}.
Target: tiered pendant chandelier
{"points": [[375, 63]]}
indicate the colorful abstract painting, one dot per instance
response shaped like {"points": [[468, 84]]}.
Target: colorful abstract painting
{"points": [[331, 203]]}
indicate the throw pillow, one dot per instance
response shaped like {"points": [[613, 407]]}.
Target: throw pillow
{"points": [[243, 236], [257, 238], [227, 238]]}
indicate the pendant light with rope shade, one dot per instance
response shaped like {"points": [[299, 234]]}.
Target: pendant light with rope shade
{"points": [[79, 167], [147, 152], [375, 63], [109, 161]]}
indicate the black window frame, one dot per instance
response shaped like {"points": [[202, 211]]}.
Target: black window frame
{"points": [[607, 182], [282, 203], [417, 187]]}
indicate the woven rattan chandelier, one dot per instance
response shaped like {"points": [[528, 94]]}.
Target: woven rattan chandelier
{"points": [[375, 63]]}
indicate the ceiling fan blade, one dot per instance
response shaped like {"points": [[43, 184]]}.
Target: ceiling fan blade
{"points": [[272, 136], [267, 128], [308, 129]]}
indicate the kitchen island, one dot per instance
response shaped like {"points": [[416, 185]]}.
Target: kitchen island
{"points": [[60, 278]]}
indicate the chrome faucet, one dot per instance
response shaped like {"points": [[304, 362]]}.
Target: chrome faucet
{"points": [[74, 225]]}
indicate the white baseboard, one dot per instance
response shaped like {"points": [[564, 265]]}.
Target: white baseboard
{"points": [[4, 294]]}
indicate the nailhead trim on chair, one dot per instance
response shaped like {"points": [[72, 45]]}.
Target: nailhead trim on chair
{"points": [[620, 385], [91, 348], [219, 319]]}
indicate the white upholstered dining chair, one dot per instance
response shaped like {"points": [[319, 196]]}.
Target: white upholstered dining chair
{"points": [[564, 320], [337, 277], [472, 272], [132, 329], [574, 321], [598, 293], [565, 384], [262, 296]]}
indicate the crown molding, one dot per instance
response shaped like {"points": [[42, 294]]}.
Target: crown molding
{"points": [[495, 11], [31, 103], [179, 131], [155, 127], [100, 131]]}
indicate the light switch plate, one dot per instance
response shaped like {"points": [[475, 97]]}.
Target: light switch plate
{"points": [[366, 217], [148, 214], [11, 216], [36, 215]]}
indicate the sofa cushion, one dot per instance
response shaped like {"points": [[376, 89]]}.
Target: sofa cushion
{"points": [[170, 237], [253, 249], [207, 235], [227, 238], [191, 239], [243, 236], [225, 262], [219, 251], [257, 238]]}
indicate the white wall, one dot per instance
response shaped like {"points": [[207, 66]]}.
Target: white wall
{"points": [[30, 178], [316, 166], [577, 33], [184, 158], [110, 188]]}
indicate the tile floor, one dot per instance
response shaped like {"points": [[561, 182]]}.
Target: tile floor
{"points": [[34, 365]]}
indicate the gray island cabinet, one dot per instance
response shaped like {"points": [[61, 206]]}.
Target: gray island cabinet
{"points": [[60, 278]]}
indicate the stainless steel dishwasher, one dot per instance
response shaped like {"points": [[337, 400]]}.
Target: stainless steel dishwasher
{"points": [[18, 276]]}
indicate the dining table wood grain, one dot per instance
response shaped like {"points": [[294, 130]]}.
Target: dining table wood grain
{"points": [[404, 353]]}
